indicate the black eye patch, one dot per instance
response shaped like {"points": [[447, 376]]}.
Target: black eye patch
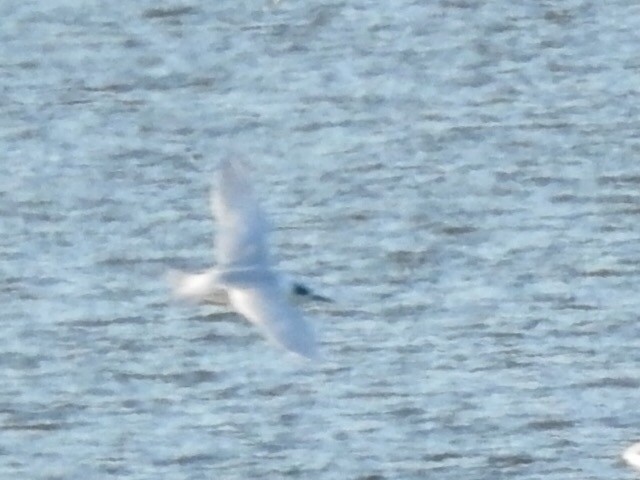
{"points": [[300, 289]]}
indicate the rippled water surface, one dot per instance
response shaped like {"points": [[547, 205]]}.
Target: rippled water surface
{"points": [[462, 176]]}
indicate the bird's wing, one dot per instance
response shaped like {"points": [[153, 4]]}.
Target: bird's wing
{"points": [[241, 240], [197, 287], [266, 306]]}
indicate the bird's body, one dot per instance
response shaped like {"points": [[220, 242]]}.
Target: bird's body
{"points": [[244, 276]]}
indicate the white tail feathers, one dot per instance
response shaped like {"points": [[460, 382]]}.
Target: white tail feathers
{"points": [[632, 455], [196, 287]]}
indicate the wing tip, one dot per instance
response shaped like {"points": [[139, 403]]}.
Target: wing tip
{"points": [[303, 346], [309, 355], [233, 165]]}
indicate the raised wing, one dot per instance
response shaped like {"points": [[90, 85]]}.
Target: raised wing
{"points": [[241, 240], [265, 306]]}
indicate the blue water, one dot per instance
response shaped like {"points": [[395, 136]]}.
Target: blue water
{"points": [[462, 176]]}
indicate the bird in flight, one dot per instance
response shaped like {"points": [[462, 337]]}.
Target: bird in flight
{"points": [[244, 276]]}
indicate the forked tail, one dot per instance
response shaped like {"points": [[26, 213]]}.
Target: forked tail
{"points": [[197, 287]]}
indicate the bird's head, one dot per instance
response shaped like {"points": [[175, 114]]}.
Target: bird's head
{"points": [[300, 291]]}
